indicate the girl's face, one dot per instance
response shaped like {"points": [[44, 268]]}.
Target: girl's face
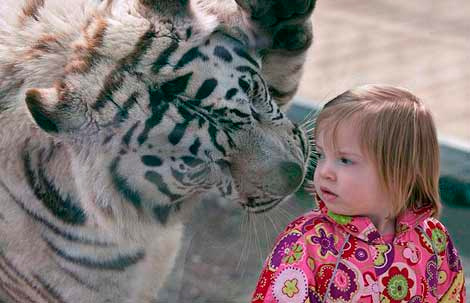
{"points": [[346, 179]]}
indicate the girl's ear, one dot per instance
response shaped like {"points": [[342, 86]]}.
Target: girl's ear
{"points": [[55, 111]]}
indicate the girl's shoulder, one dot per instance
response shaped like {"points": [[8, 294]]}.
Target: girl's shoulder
{"points": [[305, 222]]}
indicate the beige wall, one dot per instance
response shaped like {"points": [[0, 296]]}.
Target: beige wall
{"points": [[423, 45]]}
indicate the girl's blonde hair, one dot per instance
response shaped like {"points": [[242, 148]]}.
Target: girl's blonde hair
{"points": [[398, 134]]}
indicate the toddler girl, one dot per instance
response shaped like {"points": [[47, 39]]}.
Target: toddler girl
{"points": [[375, 236]]}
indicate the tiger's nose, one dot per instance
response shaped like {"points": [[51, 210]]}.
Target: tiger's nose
{"points": [[292, 174]]}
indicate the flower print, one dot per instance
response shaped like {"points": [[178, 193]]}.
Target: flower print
{"points": [[372, 236], [440, 239], [383, 258], [411, 253], [311, 263], [349, 248], [453, 258], [361, 254], [442, 277], [397, 285], [431, 274], [340, 219], [293, 254], [311, 223], [424, 288], [295, 223], [327, 243], [263, 284], [323, 276], [371, 287], [344, 284], [313, 296], [282, 249], [384, 299], [290, 288], [416, 299], [436, 233], [454, 293]]}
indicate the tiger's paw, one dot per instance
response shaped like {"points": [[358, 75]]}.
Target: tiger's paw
{"points": [[286, 22]]}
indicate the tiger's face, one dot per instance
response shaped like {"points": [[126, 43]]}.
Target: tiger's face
{"points": [[171, 117]]}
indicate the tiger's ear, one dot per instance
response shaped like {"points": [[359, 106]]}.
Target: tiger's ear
{"points": [[54, 111]]}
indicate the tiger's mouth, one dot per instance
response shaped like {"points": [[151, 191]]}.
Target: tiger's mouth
{"points": [[253, 205]]}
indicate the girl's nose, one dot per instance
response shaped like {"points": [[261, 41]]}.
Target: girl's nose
{"points": [[325, 170]]}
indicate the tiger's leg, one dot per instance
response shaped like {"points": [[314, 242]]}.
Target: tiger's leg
{"points": [[284, 30], [279, 30]]}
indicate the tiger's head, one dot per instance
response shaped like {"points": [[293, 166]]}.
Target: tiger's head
{"points": [[158, 110]]}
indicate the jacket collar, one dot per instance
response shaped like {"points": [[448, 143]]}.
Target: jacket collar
{"points": [[362, 227]]}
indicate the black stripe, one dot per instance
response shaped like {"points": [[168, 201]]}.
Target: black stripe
{"points": [[206, 89], [161, 213], [114, 80], [192, 161], [189, 32], [162, 59], [123, 112], [178, 132], [158, 181], [244, 85], [255, 114], [223, 53], [126, 139], [151, 160], [175, 87], [119, 263], [243, 54], [213, 135], [77, 279], [108, 139], [49, 288], [15, 293], [65, 210], [239, 113], [55, 229], [230, 93], [277, 94], [20, 277], [256, 88], [194, 148], [190, 56], [158, 108], [122, 186], [280, 116]]}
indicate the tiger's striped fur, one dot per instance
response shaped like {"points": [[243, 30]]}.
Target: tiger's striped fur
{"points": [[116, 116]]}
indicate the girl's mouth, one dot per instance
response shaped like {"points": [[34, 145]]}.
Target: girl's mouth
{"points": [[327, 195]]}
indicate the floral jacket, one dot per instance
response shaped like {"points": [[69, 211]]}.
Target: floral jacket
{"points": [[325, 257]]}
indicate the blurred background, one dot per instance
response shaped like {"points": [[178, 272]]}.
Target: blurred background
{"points": [[422, 45]]}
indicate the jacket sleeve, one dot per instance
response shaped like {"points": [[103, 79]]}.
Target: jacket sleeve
{"points": [[285, 276], [451, 288]]}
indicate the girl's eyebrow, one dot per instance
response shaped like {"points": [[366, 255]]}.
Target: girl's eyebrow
{"points": [[349, 153]]}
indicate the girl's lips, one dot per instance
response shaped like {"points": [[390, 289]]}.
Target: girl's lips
{"points": [[327, 195]]}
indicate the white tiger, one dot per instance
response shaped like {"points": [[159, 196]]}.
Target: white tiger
{"points": [[117, 116]]}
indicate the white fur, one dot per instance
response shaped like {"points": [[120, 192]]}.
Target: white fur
{"points": [[78, 164]]}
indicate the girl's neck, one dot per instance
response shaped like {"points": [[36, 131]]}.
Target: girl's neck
{"points": [[385, 226]]}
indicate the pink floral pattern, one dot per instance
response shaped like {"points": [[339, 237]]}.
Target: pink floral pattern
{"points": [[345, 258]]}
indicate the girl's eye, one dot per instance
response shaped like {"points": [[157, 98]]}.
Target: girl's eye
{"points": [[319, 155], [345, 161]]}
